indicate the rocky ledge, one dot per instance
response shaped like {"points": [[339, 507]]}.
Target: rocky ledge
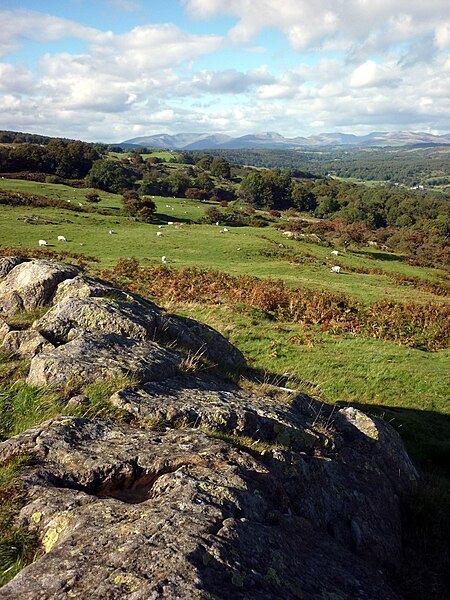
{"points": [[210, 490]]}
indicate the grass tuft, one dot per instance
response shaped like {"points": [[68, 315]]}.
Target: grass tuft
{"points": [[18, 546]]}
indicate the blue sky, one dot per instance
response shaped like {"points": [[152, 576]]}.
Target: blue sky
{"points": [[109, 70]]}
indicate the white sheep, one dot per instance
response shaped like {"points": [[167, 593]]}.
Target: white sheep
{"points": [[42, 243], [159, 234], [334, 252], [224, 230], [336, 269], [61, 238], [111, 231], [169, 222], [164, 259]]}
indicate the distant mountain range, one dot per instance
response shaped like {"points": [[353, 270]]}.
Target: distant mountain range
{"points": [[205, 141]]}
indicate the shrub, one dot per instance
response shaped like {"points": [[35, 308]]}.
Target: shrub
{"points": [[93, 197], [212, 214]]}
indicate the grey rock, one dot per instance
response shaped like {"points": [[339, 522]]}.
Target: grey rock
{"points": [[9, 262], [4, 329], [31, 284], [78, 400], [126, 512], [212, 491], [27, 343], [89, 358]]}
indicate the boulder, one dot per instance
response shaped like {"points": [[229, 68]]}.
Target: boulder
{"points": [[211, 490], [26, 343], [31, 284], [123, 511], [87, 359]]}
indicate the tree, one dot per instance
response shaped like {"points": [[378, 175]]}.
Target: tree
{"points": [[141, 207], [177, 183], [212, 214], [204, 162], [220, 167], [93, 197], [110, 176]]}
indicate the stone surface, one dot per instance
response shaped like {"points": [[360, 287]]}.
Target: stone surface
{"points": [[211, 491], [4, 329], [27, 343], [31, 284], [87, 359]]}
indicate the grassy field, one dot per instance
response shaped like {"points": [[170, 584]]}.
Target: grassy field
{"points": [[346, 368], [408, 387]]}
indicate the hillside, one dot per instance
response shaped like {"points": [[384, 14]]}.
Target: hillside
{"points": [[181, 483], [371, 336]]}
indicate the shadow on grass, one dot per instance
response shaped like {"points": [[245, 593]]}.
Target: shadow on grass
{"points": [[163, 219], [384, 256]]}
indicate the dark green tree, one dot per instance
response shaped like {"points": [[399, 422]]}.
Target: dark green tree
{"points": [[141, 207], [220, 167], [110, 176]]}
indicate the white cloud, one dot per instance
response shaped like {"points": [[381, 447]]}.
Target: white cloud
{"points": [[327, 22], [371, 74], [21, 25], [16, 80]]}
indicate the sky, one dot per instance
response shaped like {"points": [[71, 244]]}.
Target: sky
{"points": [[110, 70]]}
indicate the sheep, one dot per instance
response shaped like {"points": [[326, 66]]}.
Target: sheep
{"points": [[80, 204], [159, 226], [42, 243], [111, 231], [334, 253], [168, 206], [224, 230], [169, 222], [61, 238], [159, 234], [164, 259], [335, 269]]}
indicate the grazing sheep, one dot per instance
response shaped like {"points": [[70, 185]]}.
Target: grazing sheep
{"points": [[336, 269], [42, 243], [334, 252], [159, 226], [169, 222], [159, 234], [224, 230], [61, 238], [80, 204], [164, 259], [111, 231], [217, 223], [168, 206]]}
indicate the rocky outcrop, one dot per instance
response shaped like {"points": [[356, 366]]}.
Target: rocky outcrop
{"points": [[210, 491]]}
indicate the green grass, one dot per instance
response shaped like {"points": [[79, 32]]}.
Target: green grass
{"points": [[243, 250], [22, 406], [18, 546]]}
